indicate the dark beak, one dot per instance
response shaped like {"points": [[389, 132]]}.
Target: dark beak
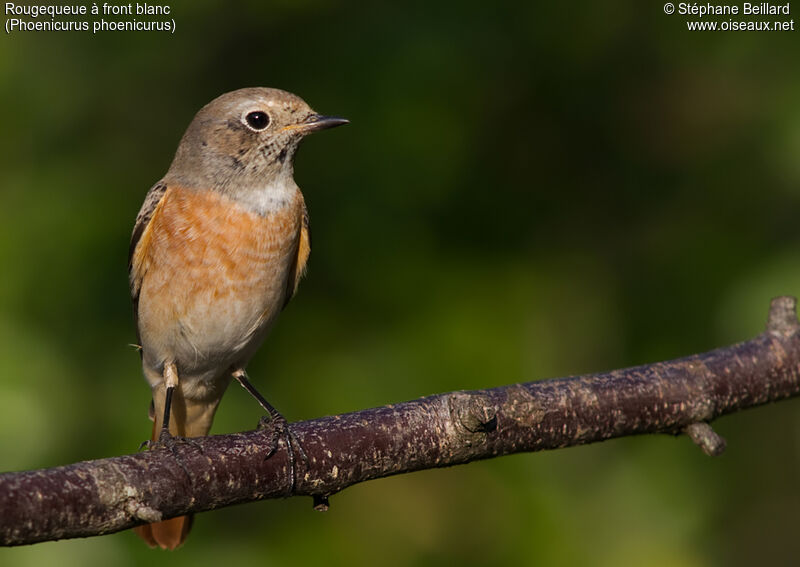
{"points": [[316, 122]]}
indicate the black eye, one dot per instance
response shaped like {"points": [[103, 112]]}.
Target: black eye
{"points": [[258, 120]]}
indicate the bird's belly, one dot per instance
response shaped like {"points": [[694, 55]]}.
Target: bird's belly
{"points": [[216, 280], [218, 320]]}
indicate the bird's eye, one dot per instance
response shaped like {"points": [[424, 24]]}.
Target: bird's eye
{"points": [[257, 120]]}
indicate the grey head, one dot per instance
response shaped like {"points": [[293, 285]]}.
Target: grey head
{"points": [[245, 141]]}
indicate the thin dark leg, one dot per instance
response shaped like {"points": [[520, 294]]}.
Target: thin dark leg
{"points": [[241, 377], [277, 419], [167, 409], [170, 381]]}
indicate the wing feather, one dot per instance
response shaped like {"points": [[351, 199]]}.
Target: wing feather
{"points": [[139, 241], [301, 259]]}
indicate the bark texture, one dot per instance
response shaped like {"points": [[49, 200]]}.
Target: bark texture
{"points": [[683, 395]]}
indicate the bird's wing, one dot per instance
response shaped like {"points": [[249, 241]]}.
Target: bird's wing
{"points": [[140, 240], [301, 258]]}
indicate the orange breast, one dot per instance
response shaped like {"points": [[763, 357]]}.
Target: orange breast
{"points": [[214, 275]]}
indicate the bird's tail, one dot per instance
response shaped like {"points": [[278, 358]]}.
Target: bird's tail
{"points": [[167, 534], [186, 420]]}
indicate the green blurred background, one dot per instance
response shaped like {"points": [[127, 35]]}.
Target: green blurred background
{"points": [[527, 190]]}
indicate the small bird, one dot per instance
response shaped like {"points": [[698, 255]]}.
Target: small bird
{"points": [[217, 251]]}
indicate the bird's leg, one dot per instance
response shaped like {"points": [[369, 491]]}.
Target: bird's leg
{"points": [[277, 422], [163, 436], [171, 382]]}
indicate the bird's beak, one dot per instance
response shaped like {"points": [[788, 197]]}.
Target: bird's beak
{"points": [[316, 122]]}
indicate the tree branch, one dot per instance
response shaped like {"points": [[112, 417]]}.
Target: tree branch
{"points": [[683, 395]]}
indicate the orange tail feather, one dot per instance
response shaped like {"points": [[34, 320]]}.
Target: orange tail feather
{"points": [[169, 534]]}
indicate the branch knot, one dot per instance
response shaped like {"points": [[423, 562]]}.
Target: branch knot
{"points": [[473, 414], [706, 438], [782, 318]]}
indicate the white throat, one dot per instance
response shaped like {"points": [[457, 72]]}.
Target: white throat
{"points": [[273, 197]]}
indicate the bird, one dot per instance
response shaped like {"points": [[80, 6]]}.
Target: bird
{"points": [[217, 251]]}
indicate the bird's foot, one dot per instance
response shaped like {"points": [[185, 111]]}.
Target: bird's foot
{"points": [[279, 429], [165, 439], [169, 441]]}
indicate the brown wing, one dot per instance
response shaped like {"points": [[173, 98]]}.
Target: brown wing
{"points": [[303, 251], [135, 269]]}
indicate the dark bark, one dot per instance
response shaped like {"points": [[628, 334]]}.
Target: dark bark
{"points": [[108, 495]]}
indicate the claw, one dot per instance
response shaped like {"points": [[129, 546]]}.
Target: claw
{"points": [[165, 437], [280, 427]]}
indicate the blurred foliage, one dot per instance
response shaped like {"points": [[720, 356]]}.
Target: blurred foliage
{"points": [[526, 190]]}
